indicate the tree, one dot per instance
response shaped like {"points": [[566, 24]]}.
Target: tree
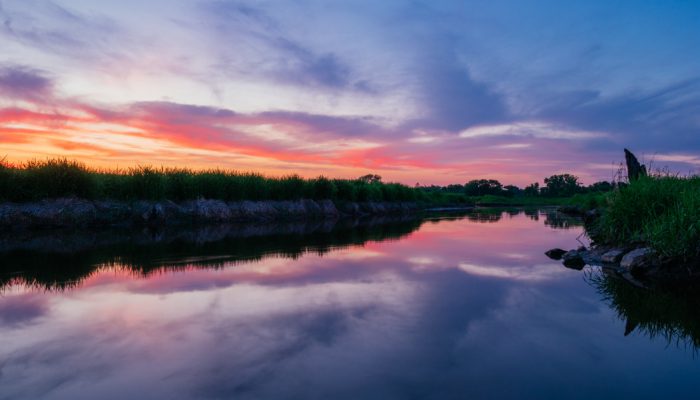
{"points": [[602, 186], [370, 178], [481, 187], [561, 185], [511, 191], [532, 189], [454, 188]]}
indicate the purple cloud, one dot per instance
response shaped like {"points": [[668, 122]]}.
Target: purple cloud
{"points": [[24, 83]]}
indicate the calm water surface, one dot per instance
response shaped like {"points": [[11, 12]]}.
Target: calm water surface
{"points": [[441, 308]]}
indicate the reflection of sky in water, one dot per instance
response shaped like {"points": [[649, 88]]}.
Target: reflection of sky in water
{"points": [[458, 309]]}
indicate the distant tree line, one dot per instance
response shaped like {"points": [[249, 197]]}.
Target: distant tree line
{"points": [[561, 185]]}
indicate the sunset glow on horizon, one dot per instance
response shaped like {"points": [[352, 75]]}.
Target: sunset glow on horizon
{"points": [[434, 93]]}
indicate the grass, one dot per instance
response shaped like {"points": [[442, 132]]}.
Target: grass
{"points": [[37, 180], [587, 201], [662, 212]]}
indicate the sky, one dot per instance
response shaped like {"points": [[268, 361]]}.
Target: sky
{"points": [[429, 92]]}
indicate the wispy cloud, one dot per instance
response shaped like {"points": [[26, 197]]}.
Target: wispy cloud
{"points": [[24, 83]]}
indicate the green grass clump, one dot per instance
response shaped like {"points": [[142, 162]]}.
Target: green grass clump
{"points": [[663, 212], [38, 180], [587, 201]]}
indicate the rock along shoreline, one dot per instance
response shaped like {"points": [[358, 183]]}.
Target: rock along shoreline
{"points": [[638, 263], [74, 212]]}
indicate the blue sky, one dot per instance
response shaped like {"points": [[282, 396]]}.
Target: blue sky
{"points": [[438, 92]]}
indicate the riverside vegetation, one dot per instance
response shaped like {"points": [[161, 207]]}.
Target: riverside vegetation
{"points": [[648, 230], [55, 178], [65, 193]]}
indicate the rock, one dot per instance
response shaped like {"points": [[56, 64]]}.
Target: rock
{"points": [[311, 208], [328, 208], [153, 214], [59, 212], [612, 256], [350, 208], [573, 259], [211, 210], [637, 260], [290, 210], [634, 169], [258, 210], [110, 212], [555, 254]]}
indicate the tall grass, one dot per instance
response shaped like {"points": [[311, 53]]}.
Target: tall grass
{"points": [[663, 212], [37, 180]]}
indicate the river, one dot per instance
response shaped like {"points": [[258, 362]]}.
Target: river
{"points": [[461, 306]]}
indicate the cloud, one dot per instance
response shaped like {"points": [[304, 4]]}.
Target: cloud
{"points": [[272, 52], [454, 100], [535, 129], [51, 27], [644, 119], [18, 310], [24, 83]]}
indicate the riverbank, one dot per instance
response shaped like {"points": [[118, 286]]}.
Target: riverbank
{"points": [[648, 231], [78, 213]]}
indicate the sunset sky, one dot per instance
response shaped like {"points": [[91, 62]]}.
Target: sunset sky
{"points": [[433, 92]]}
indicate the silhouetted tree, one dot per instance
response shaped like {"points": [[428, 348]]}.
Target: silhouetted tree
{"points": [[561, 185], [512, 191], [532, 189], [481, 187], [602, 186], [454, 188], [370, 178]]}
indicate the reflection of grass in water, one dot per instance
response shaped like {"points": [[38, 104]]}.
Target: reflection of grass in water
{"points": [[557, 220], [60, 271], [66, 269], [670, 313]]}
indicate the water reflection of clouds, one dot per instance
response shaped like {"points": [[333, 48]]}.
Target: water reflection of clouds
{"points": [[215, 343], [449, 312], [537, 272], [19, 309]]}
